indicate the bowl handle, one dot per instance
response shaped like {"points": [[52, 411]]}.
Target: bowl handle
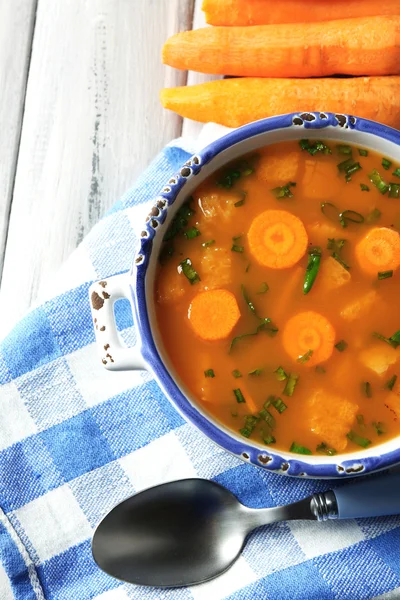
{"points": [[114, 354]]}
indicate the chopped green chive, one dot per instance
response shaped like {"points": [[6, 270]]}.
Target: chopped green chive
{"points": [[237, 237], [391, 382], [207, 244], [386, 164], [192, 233], [385, 274], [344, 149], [348, 167], [241, 201], [290, 384], [299, 449], [362, 152], [325, 449], [336, 245], [360, 420], [351, 216], [189, 272], [394, 191], [264, 287], [209, 373], [256, 372], [279, 404], [267, 438], [379, 427], [376, 179], [364, 188], [366, 389], [314, 147], [247, 268], [374, 216], [336, 256], [320, 369], [236, 248], [280, 374], [267, 417], [396, 172], [228, 178], [305, 357], [341, 346], [179, 221], [358, 439], [239, 396], [236, 373], [284, 191], [330, 211], [393, 341]]}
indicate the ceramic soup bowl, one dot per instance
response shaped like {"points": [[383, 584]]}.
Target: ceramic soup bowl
{"points": [[138, 286]]}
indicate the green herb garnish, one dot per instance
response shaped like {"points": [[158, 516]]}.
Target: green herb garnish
{"points": [[236, 373], [237, 237], [344, 149], [241, 201], [209, 373], [362, 152], [314, 147], [299, 449], [386, 164], [189, 272], [325, 449], [330, 211], [358, 439], [236, 248], [180, 220], [393, 341], [207, 244], [350, 216], [396, 172], [364, 188], [320, 369], [360, 420], [234, 413], [336, 256], [336, 245], [394, 191], [305, 357], [313, 265], [290, 384], [348, 167], [280, 374], [279, 404], [284, 191], [256, 372], [373, 216], [229, 178], [267, 438], [385, 274], [167, 250], [192, 233], [247, 268], [239, 396], [379, 427], [266, 326], [391, 383], [267, 417], [341, 346], [378, 181], [264, 287], [366, 389]]}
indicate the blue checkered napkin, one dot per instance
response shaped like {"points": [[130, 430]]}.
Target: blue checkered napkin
{"points": [[76, 439]]}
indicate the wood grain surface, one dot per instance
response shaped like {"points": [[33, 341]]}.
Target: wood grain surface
{"points": [[91, 122]]}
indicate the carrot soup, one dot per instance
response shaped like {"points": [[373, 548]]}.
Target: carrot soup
{"points": [[276, 296]]}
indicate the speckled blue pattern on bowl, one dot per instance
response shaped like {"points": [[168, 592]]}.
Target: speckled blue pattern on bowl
{"points": [[291, 126]]}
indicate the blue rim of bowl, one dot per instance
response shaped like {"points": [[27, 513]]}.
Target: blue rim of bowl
{"points": [[266, 458]]}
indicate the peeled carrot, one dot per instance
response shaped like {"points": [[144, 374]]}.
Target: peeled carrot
{"points": [[379, 250], [262, 12], [309, 338], [213, 314], [364, 46], [277, 239], [235, 102]]}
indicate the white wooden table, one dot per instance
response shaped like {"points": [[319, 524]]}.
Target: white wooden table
{"points": [[80, 119]]}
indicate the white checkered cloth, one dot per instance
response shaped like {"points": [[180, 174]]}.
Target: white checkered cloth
{"points": [[76, 439]]}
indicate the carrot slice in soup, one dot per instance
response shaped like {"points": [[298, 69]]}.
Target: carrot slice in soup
{"points": [[309, 331], [379, 250], [213, 314], [277, 239]]}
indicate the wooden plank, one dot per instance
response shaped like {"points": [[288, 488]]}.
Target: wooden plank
{"points": [[193, 128], [16, 30], [93, 121]]}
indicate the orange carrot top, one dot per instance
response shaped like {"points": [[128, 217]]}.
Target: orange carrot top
{"points": [[309, 338], [213, 314], [277, 239], [379, 251]]}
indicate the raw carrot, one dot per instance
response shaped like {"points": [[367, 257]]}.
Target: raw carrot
{"points": [[213, 314], [309, 338], [363, 46], [277, 239], [263, 12], [379, 251], [235, 102]]}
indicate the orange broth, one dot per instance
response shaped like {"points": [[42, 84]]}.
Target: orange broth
{"points": [[341, 404]]}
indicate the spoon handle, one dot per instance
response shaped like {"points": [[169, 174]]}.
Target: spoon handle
{"points": [[366, 498]]}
